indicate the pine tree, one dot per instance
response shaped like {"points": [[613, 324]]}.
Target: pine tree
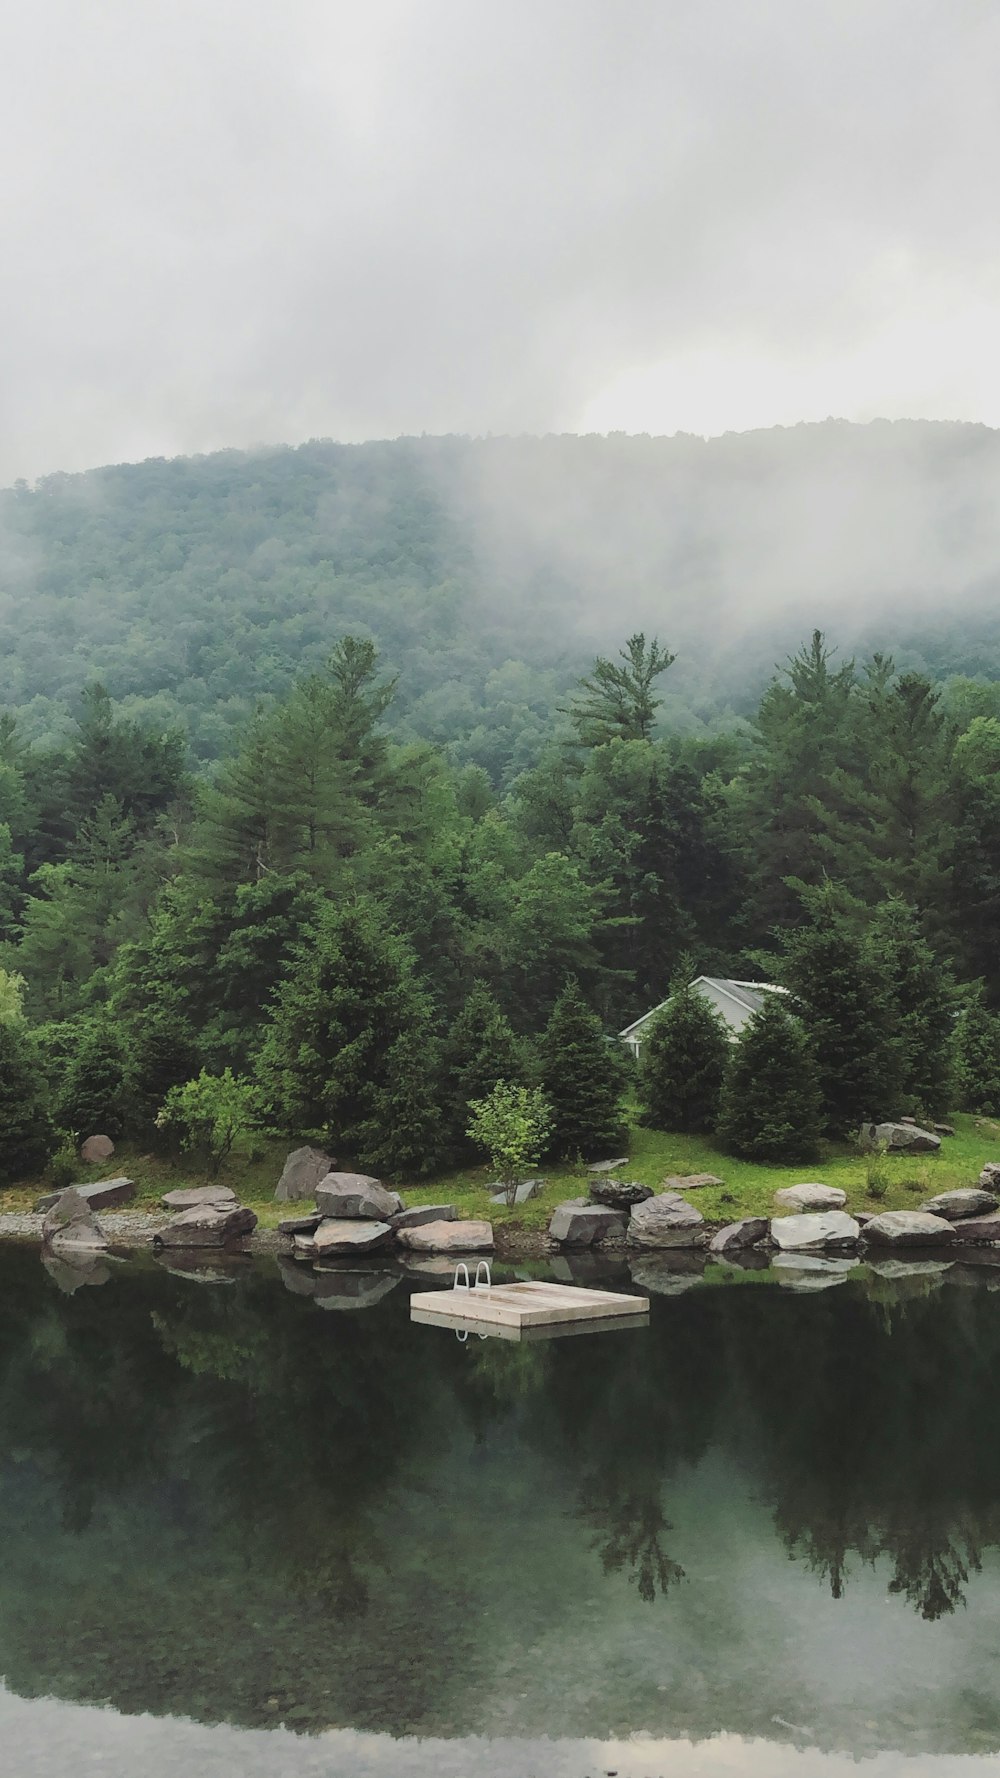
{"points": [[162, 1053], [684, 1056], [977, 1052], [582, 1077], [26, 1132], [92, 1096], [923, 1001], [770, 1107], [481, 1049]]}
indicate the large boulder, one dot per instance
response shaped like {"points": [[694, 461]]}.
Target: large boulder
{"points": [[304, 1169], [349, 1195], [448, 1237], [899, 1138], [989, 1178], [690, 1182], [618, 1194], [578, 1224], [70, 1223], [106, 1195], [954, 1206], [189, 1197], [96, 1150], [977, 1228], [207, 1225], [667, 1220], [349, 1235], [737, 1235], [828, 1230], [908, 1228], [417, 1214], [811, 1197]]}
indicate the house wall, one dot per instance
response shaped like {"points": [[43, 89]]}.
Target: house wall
{"points": [[734, 1015]]}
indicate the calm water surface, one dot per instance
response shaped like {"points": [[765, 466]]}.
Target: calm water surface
{"points": [[249, 1530]]}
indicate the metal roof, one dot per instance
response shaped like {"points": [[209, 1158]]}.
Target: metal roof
{"points": [[748, 995]]}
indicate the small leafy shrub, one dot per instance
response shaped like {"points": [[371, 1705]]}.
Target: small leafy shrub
{"points": [[64, 1166], [878, 1176], [209, 1114], [512, 1124]]}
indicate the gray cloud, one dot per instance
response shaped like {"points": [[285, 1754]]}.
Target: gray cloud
{"points": [[247, 221]]}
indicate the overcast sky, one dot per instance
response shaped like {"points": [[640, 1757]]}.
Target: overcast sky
{"points": [[240, 221]]}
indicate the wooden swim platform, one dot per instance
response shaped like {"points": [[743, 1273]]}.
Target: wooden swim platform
{"points": [[516, 1308]]}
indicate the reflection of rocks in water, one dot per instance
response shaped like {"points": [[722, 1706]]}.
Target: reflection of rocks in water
{"points": [[741, 1259], [199, 1266], [351, 1290], [585, 1267], [299, 1279], [810, 1271], [430, 1265], [668, 1274], [70, 1271]]}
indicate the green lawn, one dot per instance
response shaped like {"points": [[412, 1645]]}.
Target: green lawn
{"points": [[748, 1189]]}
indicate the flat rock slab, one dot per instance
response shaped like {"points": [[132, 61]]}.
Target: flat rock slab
{"points": [[977, 1228], [346, 1235], [829, 1228], [96, 1150], [304, 1170], [528, 1189], [577, 1224], [205, 1226], [954, 1206], [944, 1129], [448, 1237], [618, 1194], [608, 1166], [301, 1225], [106, 1195], [909, 1228], [417, 1214], [811, 1197], [351, 1195], [899, 1138], [667, 1220], [190, 1197], [737, 1235], [690, 1182]]}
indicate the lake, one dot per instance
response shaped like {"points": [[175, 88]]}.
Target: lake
{"points": [[248, 1530]]}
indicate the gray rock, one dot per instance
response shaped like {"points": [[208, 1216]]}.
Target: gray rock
{"points": [[827, 1229], [190, 1197], [977, 1228], [349, 1235], [667, 1221], [578, 1224], [207, 1226], [990, 1176], [955, 1206], [608, 1166], [303, 1247], [523, 1194], [619, 1194], [944, 1130], [417, 1214], [71, 1267], [70, 1222], [741, 1234], [301, 1225], [811, 1197], [899, 1138], [96, 1149], [349, 1195], [690, 1182], [448, 1237], [909, 1228], [303, 1171], [106, 1195], [338, 1289]]}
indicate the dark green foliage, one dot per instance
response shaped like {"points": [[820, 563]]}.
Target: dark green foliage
{"points": [[977, 1059], [162, 1053], [770, 1108], [617, 701], [582, 1078], [480, 1049], [923, 1009], [683, 1060], [93, 1096], [27, 1137]]}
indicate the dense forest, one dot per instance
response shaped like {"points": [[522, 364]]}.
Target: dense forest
{"points": [[350, 884]]}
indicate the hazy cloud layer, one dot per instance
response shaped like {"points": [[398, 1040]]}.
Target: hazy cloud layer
{"points": [[236, 220]]}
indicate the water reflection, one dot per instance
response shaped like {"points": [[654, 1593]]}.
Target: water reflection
{"points": [[762, 1514]]}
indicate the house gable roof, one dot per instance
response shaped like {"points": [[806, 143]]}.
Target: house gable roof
{"points": [[749, 996]]}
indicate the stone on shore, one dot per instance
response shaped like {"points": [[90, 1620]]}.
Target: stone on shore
{"points": [[448, 1237], [955, 1206], [304, 1169], [523, 1193], [944, 1129], [899, 1138], [811, 1197], [909, 1228], [667, 1220], [828, 1229], [977, 1228], [608, 1166], [107, 1194], [618, 1194], [96, 1150], [207, 1225], [690, 1182], [349, 1235], [737, 1235], [579, 1224], [190, 1197], [301, 1225], [70, 1223], [990, 1176], [417, 1214], [350, 1195]]}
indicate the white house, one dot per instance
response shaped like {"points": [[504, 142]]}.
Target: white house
{"points": [[736, 1001]]}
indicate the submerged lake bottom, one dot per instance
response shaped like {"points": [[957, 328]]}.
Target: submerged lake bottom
{"points": [[252, 1524]]}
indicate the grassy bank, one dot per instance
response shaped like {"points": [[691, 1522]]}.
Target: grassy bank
{"points": [[654, 1155]]}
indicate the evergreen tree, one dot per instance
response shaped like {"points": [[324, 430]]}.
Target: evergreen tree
{"points": [[923, 1002], [618, 700], [770, 1108], [92, 1096], [162, 1053], [26, 1132], [582, 1077], [977, 1059], [845, 998], [685, 1051], [481, 1049]]}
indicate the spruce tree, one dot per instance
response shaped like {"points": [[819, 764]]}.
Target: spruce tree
{"points": [[26, 1132], [92, 1095], [582, 1077], [162, 1053], [481, 1049], [977, 1059], [923, 1005], [683, 1062], [770, 1107]]}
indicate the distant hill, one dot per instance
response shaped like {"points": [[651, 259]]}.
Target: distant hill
{"points": [[491, 570]]}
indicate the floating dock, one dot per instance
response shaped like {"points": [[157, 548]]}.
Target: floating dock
{"points": [[517, 1310]]}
